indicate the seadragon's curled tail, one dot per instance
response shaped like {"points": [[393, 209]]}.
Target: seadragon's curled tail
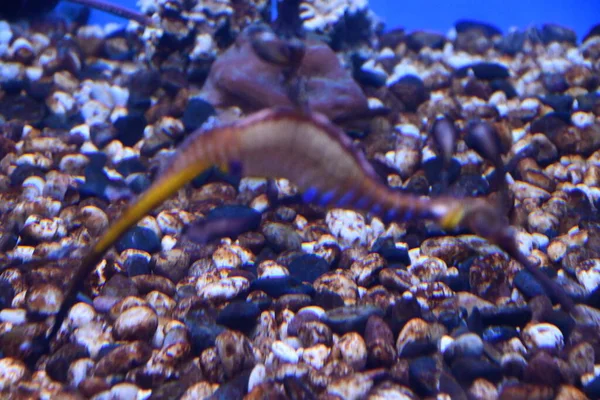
{"points": [[321, 160]]}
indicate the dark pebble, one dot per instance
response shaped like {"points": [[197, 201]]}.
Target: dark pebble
{"points": [[102, 134], [423, 376], [58, 363], [469, 186], [559, 102], [403, 311], [512, 43], [235, 388], [388, 250], [239, 315], [592, 389], [292, 302], [139, 238], [350, 318], [24, 171], [588, 102], [119, 286], [509, 316], [308, 267], [6, 294], [550, 124], [22, 108], [281, 236], [594, 31], [528, 285], [468, 369], [138, 182], [123, 358], [328, 300], [486, 71], [411, 91], [173, 80], [130, 128], [168, 391], [137, 264], [196, 113], [556, 33], [276, 287], [130, 165], [451, 319], [202, 335], [494, 334], [505, 86], [561, 320], [488, 30], [226, 221], [107, 348], [543, 369], [555, 82], [295, 388], [419, 347], [419, 39]]}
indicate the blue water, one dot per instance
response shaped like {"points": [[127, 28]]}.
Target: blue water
{"points": [[440, 15]]}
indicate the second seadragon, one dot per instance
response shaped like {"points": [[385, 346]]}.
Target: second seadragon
{"points": [[299, 142]]}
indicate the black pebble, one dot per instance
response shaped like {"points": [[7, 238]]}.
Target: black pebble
{"points": [[556, 33], [421, 375], [451, 319], [239, 315], [308, 267], [196, 113], [6, 294], [130, 128], [465, 25], [592, 389], [555, 82], [504, 86], [510, 316], [512, 43], [468, 369], [388, 250], [130, 165], [58, 363], [494, 334], [528, 285], [137, 264], [469, 186], [486, 71], [328, 300], [235, 388], [350, 318], [559, 102], [594, 31], [138, 182], [24, 108], [411, 91], [202, 335], [561, 320], [139, 238], [419, 39], [587, 102], [24, 171], [168, 391], [277, 287]]}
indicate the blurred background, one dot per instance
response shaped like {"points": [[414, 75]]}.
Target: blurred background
{"points": [[440, 15]]}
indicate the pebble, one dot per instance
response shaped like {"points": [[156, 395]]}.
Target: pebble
{"points": [[196, 113], [139, 238], [239, 315], [543, 336], [308, 267], [136, 323], [350, 318]]}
